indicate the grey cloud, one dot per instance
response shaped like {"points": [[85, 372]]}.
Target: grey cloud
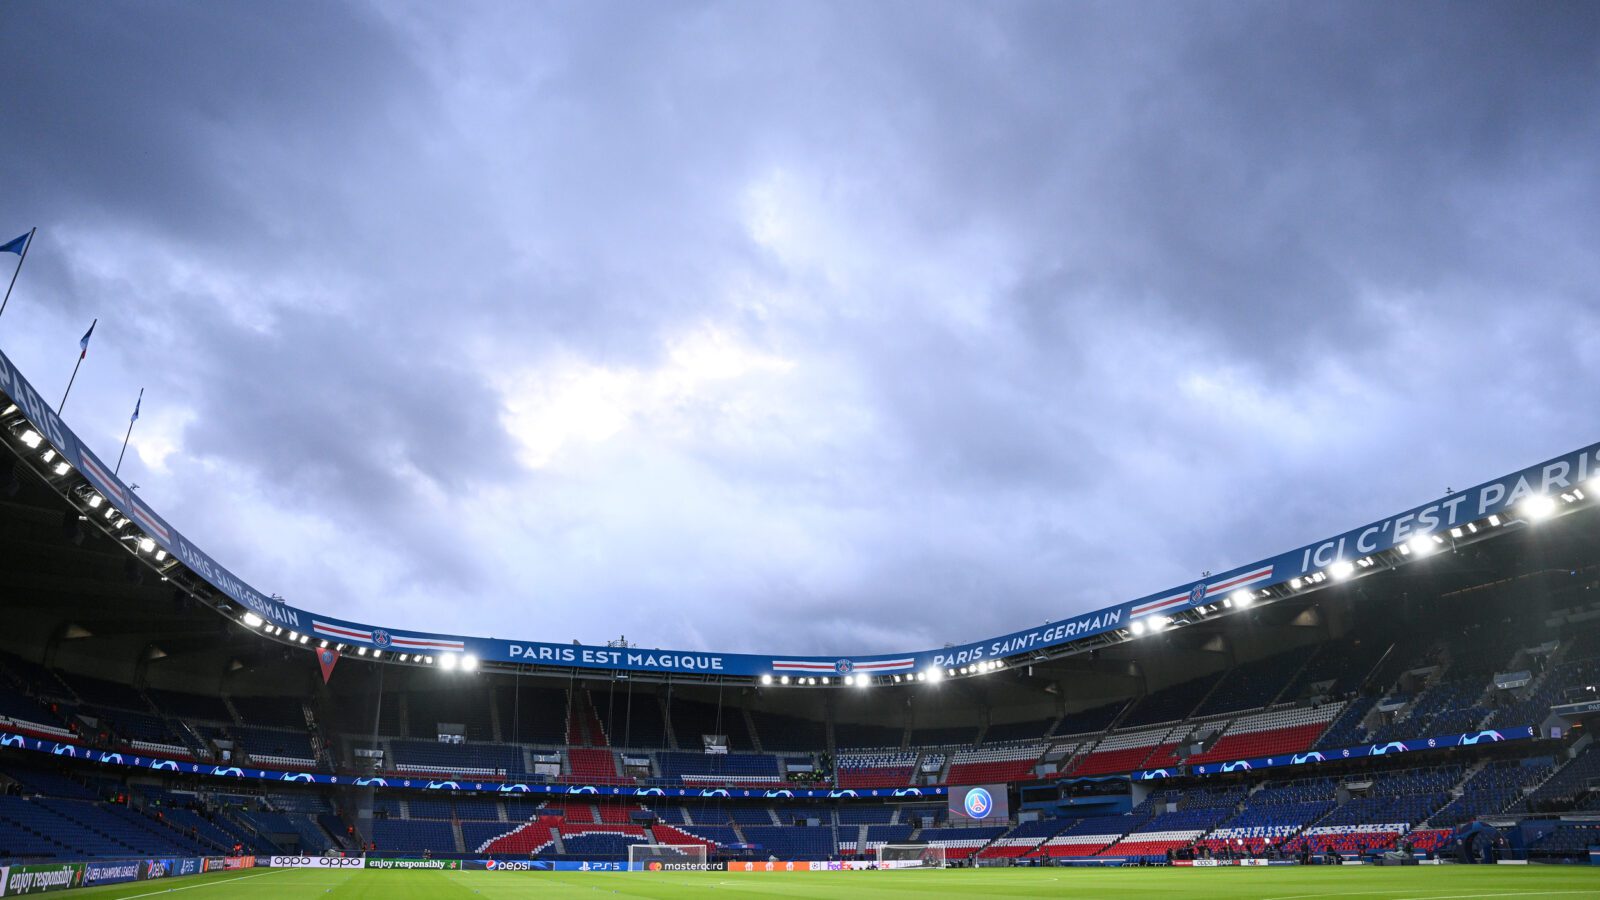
{"points": [[1079, 299]]}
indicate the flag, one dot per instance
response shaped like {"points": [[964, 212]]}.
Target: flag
{"points": [[15, 246], [136, 404], [83, 343], [327, 657]]}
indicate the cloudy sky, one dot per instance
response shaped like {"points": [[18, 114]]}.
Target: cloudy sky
{"points": [[799, 327]]}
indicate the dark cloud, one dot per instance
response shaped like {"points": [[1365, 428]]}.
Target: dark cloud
{"points": [[923, 320]]}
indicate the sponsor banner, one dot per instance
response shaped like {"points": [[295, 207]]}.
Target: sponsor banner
{"points": [[769, 865], [1492, 497], [411, 863], [39, 879], [590, 866], [1469, 739], [112, 872], [188, 866], [316, 862], [508, 865], [238, 862], [658, 865], [214, 864]]}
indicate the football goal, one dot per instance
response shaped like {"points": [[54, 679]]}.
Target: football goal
{"points": [[911, 856], [667, 858]]}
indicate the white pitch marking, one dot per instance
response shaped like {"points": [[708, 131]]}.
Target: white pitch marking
{"points": [[207, 884]]}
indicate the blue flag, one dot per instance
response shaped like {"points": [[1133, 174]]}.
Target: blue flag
{"points": [[15, 246], [83, 344]]}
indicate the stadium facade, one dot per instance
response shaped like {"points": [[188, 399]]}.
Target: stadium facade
{"points": [[1423, 681]]}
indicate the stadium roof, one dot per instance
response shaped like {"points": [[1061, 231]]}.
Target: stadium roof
{"points": [[44, 444]]}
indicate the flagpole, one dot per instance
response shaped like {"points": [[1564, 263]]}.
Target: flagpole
{"points": [[125, 437], [18, 269], [81, 355]]}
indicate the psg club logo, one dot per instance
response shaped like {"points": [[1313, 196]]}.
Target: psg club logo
{"points": [[380, 637], [327, 657], [978, 803], [844, 667], [1197, 594]]}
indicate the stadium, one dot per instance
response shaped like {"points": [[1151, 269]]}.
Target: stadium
{"points": [[1033, 449], [1412, 692]]}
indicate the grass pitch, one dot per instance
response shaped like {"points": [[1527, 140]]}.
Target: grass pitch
{"points": [[1278, 883]]}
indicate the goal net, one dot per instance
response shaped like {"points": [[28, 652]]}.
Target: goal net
{"points": [[910, 856], [667, 858]]}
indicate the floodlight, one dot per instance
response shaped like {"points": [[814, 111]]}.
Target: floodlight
{"points": [[31, 438], [934, 674], [95, 500], [48, 454], [1494, 521], [1159, 622], [253, 620], [1540, 507], [1420, 545], [783, 679], [361, 651], [1343, 569], [825, 681], [863, 681], [62, 468], [146, 545], [469, 663], [377, 654], [322, 645], [430, 660], [9, 410], [766, 679], [1137, 627], [404, 657], [447, 662], [1294, 584], [294, 635]]}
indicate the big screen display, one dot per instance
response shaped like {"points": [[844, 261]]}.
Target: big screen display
{"points": [[979, 804]]}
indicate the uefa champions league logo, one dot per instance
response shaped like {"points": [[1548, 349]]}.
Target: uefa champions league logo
{"points": [[978, 803], [844, 667]]}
